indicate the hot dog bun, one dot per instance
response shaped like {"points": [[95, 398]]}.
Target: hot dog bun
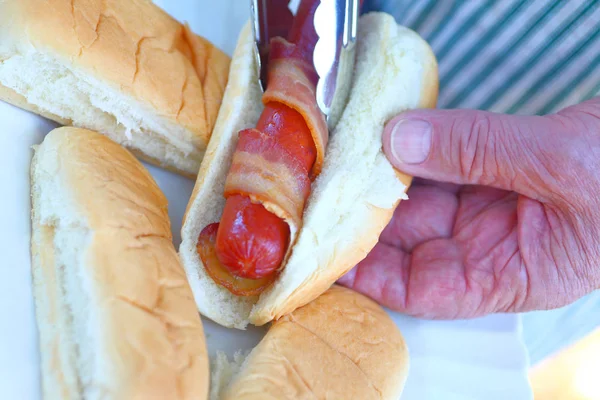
{"points": [[351, 201], [122, 68], [340, 346], [116, 316]]}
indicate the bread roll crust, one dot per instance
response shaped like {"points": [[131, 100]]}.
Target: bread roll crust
{"points": [[342, 345], [115, 313], [115, 52], [350, 203]]}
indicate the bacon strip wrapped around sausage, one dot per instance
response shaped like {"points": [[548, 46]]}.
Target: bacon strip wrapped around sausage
{"points": [[273, 166]]}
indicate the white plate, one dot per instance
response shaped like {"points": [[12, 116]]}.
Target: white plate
{"points": [[475, 359]]}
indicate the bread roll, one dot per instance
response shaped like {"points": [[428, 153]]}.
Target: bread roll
{"points": [[340, 346], [123, 68], [115, 314], [351, 201]]}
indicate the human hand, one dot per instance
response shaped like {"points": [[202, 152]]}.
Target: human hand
{"points": [[514, 227]]}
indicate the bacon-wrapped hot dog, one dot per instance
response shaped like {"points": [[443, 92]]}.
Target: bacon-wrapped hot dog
{"points": [[318, 202], [269, 179]]}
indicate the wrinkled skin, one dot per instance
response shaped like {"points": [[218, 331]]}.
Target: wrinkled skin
{"points": [[515, 227]]}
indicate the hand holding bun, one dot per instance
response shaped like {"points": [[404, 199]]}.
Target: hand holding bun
{"points": [[506, 219], [340, 346], [115, 313]]}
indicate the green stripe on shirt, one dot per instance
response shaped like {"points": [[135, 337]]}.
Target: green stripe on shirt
{"points": [[557, 36], [500, 58], [462, 30], [493, 53], [548, 77]]}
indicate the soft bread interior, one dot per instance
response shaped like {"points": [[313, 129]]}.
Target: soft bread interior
{"points": [[241, 109], [222, 372], [65, 309], [116, 317], [78, 99], [124, 69], [354, 197], [341, 346]]}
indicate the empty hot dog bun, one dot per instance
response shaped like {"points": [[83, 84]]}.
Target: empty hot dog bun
{"points": [[356, 193], [340, 346], [115, 314], [122, 68]]}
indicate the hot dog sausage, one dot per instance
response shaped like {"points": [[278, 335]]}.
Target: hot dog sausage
{"points": [[287, 145], [251, 241]]}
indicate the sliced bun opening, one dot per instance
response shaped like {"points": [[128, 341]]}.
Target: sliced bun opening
{"points": [[56, 89], [115, 313], [353, 198], [125, 69]]}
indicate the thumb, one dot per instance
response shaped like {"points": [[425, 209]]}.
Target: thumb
{"points": [[517, 153]]}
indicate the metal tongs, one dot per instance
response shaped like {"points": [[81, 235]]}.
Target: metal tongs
{"points": [[335, 23]]}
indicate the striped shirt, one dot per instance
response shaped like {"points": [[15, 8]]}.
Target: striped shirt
{"points": [[509, 56], [517, 57]]}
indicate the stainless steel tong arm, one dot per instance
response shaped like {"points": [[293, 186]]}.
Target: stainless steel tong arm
{"points": [[335, 23]]}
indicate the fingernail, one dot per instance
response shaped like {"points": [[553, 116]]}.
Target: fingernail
{"points": [[410, 141]]}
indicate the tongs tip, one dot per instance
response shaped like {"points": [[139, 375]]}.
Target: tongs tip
{"points": [[335, 23]]}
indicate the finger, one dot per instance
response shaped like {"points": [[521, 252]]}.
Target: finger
{"points": [[382, 275], [430, 283], [587, 111], [448, 187], [474, 201], [428, 214], [437, 283], [526, 154]]}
